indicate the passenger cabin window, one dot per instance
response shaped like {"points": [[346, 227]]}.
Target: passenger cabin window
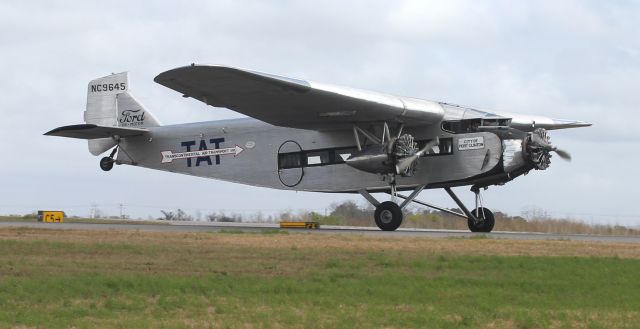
{"points": [[289, 160], [317, 158], [341, 155], [312, 158]]}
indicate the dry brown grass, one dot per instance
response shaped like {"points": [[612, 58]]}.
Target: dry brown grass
{"points": [[357, 243]]}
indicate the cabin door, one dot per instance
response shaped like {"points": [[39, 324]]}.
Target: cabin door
{"points": [[290, 169]]}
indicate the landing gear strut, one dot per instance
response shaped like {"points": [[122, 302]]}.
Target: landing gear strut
{"points": [[484, 220], [388, 214], [396, 155], [106, 163], [480, 219]]}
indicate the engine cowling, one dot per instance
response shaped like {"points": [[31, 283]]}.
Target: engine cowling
{"points": [[532, 150], [537, 149], [383, 158]]}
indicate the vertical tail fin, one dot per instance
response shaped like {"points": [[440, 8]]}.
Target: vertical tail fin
{"points": [[110, 104]]}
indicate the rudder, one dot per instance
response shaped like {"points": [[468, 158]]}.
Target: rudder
{"points": [[110, 104]]}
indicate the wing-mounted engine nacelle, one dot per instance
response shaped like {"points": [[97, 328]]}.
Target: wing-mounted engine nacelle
{"points": [[397, 156], [373, 159]]}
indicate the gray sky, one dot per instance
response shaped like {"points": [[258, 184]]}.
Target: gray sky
{"points": [[564, 59]]}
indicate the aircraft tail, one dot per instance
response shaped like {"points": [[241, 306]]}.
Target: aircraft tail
{"points": [[110, 104]]}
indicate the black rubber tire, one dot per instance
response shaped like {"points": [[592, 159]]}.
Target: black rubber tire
{"points": [[388, 216], [106, 163], [486, 223]]}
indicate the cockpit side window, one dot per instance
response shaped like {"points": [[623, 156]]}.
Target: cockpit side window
{"points": [[495, 122], [473, 125], [451, 126], [461, 126]]}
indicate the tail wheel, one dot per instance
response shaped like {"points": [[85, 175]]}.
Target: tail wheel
{"points": [[106, 163], [388, 216], [485, 220]]}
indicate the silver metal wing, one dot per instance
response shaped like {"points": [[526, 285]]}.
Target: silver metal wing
{"points": [[295, 103]]}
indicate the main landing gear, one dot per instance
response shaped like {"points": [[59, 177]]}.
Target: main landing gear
{"points": [[388, 214], [393, 155], [106, 163]]}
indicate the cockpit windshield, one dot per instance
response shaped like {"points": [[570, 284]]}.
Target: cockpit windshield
{"points": [[473, 125]]}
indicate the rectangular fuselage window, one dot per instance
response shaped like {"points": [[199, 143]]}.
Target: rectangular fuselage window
{"points": [[445, 147], [341, 155], [325, 157], [318, 158], [289, 160], [312, 158]]}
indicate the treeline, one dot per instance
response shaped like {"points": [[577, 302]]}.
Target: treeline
{"points": [[349, 213]]}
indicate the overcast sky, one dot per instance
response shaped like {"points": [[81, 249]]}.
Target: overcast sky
{"points": [[565, 59]]}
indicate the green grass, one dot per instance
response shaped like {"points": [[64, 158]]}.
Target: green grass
{"points": [[200, 280]]}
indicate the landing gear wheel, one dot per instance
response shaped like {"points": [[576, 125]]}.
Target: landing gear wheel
{"points": [[106, 163], [485, 221], [388, 216]]}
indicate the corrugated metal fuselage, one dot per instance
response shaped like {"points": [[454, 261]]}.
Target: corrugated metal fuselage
{"points": [[246, 151]]}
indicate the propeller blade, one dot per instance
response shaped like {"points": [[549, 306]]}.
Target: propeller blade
{"points": [[428, 146], [405, 163], [564, 155]]}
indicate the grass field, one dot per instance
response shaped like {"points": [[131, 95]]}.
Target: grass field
{"points": [[58, 279]]}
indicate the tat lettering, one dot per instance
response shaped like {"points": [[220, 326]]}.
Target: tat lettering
{"points": [[201, 147]]}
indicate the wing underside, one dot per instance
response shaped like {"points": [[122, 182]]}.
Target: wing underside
{"points": [[295, 103]]}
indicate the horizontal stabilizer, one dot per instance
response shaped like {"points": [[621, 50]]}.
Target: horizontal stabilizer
{"points": [[91, 131]]}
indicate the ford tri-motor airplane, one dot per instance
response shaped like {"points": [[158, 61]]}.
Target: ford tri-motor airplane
{"points": [[309, 136]]}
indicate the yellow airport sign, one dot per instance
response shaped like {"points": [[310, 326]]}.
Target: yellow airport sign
{"points": [[50, 216], [308, 225]]}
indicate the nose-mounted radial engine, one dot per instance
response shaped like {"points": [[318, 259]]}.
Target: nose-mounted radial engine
{"points": [[537, 148]]}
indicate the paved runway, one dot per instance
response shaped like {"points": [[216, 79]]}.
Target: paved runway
{"points": [[365, 231]]}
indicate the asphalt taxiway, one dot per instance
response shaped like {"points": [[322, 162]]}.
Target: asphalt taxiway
{"points": [[365, 231]]}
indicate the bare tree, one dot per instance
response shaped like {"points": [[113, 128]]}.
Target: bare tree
{"points": [[179, 215]]}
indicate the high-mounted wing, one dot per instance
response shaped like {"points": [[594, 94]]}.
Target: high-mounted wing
{"points": [[295, 103]]}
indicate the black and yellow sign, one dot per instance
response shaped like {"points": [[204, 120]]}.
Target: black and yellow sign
{"points": [[50, 216], [308, 225]]}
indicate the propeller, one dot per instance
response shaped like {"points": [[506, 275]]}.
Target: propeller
{"points": [[546, 145], [538, 146], [405, 163], [564, 155]]}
